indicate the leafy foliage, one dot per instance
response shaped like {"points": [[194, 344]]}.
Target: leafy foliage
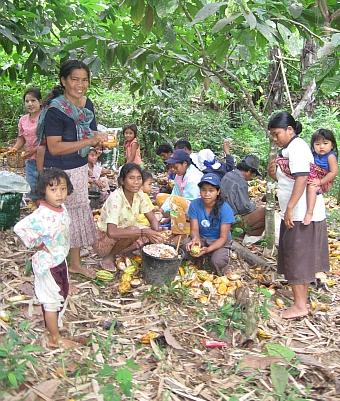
{"points": [[122, 376], [15, 354]]}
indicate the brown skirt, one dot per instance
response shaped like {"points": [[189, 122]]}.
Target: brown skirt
{"points": [[303, 251], [82, 227]]}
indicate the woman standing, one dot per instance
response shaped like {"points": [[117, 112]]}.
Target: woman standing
{"points": [[68, 123], [27, 137], [296, 260]]}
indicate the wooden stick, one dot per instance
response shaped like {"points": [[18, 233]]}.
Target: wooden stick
{"points": [[285, 79], [178, 242]]}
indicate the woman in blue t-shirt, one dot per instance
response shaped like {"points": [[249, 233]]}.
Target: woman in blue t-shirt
{"points": [[210, 222]]}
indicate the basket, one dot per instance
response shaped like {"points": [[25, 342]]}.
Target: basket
{"points": [[15, 160], [9, 209]]}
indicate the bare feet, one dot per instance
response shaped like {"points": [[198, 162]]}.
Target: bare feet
{"points": [[73, 290], [308, 218], [294, 312], [65, 343], [49, 342], [108, 264], [83, 271]]}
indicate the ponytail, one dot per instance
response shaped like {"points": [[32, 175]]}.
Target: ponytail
{"points": [[55, 92], [285, 120], [216, 210]]}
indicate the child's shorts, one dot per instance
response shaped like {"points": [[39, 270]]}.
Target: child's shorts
{"points": [[60, 275]]}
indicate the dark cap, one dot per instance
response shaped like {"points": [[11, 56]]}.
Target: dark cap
{"points": [[179, 156], [210, 178], [253, 162]]}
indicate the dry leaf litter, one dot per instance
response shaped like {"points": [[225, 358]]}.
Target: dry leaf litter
{"points": [[183, 344]]}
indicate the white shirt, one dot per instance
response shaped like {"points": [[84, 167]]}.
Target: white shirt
{"points": [[46, 226], [300, 157]]}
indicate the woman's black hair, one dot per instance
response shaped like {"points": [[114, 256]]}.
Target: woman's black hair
{"points": [[66, 69], [47, 177], [242, 166], [35, 92], [125, 170], [164, 148], [182, 143], [324, 134], [285, 120], [132, 127], [216, 210], [146, 175]]}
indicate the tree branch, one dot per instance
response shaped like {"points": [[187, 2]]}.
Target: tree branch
{"points": [[199, 36], [302, 26]]}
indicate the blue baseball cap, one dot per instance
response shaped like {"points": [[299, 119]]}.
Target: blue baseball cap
{"points": [[179, 156], [210, 178]]}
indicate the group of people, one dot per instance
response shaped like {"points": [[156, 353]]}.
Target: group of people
{"points": [[206, 196]]}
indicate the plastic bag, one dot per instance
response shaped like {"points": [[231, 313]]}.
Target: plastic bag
{"points": [[14, 183]]}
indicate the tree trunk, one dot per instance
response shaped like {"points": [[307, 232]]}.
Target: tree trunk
{"points": [[308, 57], [249, 257], [270, 204], [275, 83]]}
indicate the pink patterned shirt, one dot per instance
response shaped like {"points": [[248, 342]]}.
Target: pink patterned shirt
{"points": [[128, 151], [27, 127]]}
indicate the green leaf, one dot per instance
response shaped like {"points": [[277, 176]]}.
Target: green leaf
{"points": [[3, 352], [295, 9], [135, 54], [250, 18], [267, 32], [237, 231], [284, 32], [325, 50], [148, 19], [124, 379], [274, 349], [207, 11], [165, 7], [12, 379], [182, 58], [110, 393], [265, 292], [137, 11], [106, 371], [279, 377], [8, 34], [223, 22], [131, 364], [330, 84], [169, 35], [335, 40], [76, 44], [25, 325], [91, 45], [157, 91], [32, 348], [295, 44], [320, 69]]}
